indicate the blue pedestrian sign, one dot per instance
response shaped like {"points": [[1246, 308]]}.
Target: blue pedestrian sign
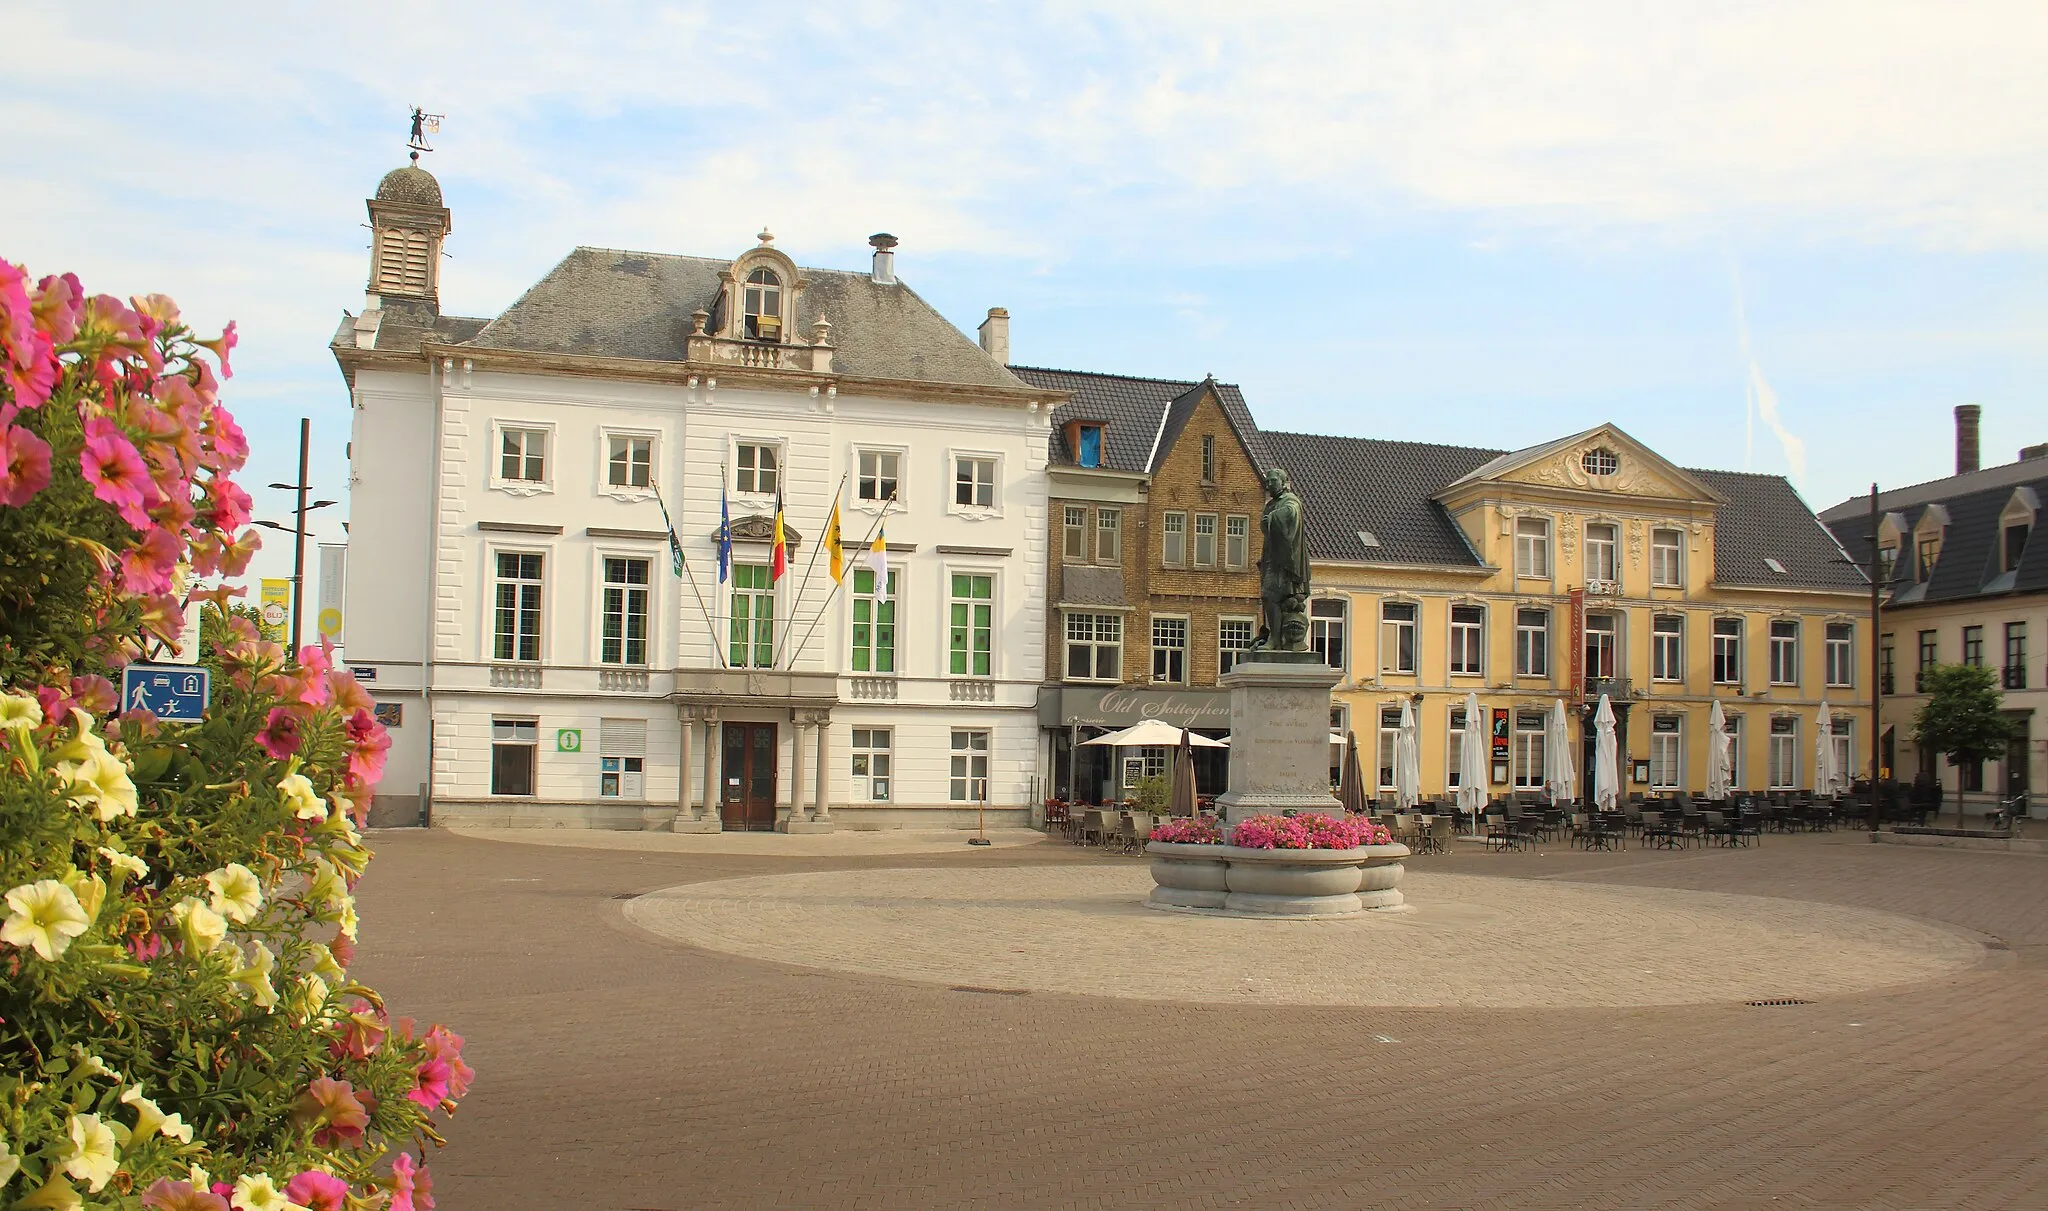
{"points": [[174, 693]]}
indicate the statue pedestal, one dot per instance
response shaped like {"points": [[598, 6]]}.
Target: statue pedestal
{"points": [[1279, 736]]}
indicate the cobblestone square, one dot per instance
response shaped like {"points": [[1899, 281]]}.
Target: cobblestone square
{"points": [[878, 1027]]}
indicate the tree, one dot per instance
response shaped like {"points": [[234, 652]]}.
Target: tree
{"points": [[1961, 718]]}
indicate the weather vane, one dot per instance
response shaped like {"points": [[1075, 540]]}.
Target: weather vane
{"points": [[423, 124]]}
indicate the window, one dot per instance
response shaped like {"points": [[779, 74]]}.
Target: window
{"points": [[972, 615], [516, 624], [752, 641], [1843, 741], [1233, 640], [1888, 563], [629, 461], [622, 759], [1089, 453], [1205, 540], [1390, 731], [874, 623], [1095, 647], [1600, 462], [1074, 534], [1930, 548], [1454, 750], [1930, 655], [1666, 747], [1840, 655], [1970, 776], [1532, 643], [523, 455], [515, 744], [1973, 647], [625, 612], [1237, 530], [1170, 650], [1144, 763], [970, 767], [1600, 542], [1109, 531], [1528, 750], [1727, 651], [1734, 731], [1173, 540], [879, 471], [1783, 764], [1326, 618], [757, 468], [1532, 546], [1664, 566], [1887, 675], [1208, 458], [871, 764], [762, 305], [974, 483], [1397, 637], [1468, 640], [2014, 546], [622, 777], [2015, 656], [1667, 648], [1784, 652], [1603, 643]]}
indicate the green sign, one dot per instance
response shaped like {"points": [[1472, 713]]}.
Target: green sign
{"points": [[569, 740]]}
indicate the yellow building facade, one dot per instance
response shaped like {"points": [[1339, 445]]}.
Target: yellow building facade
{"points": [[1587, 565]]}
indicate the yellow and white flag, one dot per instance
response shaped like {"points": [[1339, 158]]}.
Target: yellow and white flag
{"points": [[878, 559]]}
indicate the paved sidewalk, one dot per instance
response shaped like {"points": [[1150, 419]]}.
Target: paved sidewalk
{"points": [[620, 1070], [843, 844]]}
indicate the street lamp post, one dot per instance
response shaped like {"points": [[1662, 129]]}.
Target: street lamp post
{"points": [[298, 532]]}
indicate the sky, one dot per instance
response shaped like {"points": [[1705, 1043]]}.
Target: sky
{"points": [[1784, 237]]}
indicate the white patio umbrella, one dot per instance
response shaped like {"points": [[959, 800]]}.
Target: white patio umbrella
{"points": [[1407, 759], [1606, 758], [1472, 777], [1560, 775], [1153, 734], [1826, 777], [1720, 763]]}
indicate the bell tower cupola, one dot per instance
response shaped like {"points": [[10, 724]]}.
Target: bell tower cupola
{"points": [[407, 224]]}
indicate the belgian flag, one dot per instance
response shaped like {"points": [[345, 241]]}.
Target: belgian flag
{"points": [[780, 560]]}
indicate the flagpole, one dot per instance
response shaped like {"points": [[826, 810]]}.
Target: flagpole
{"points": [[866, 542], [710, 627], [798, 601]]}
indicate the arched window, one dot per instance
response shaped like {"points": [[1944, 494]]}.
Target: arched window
{"points": [[1600, 461], [761, 308]]}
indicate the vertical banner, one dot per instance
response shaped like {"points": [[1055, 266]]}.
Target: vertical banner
{"points": [[275, 602], [1578, 643], [187, 651], [333, 573]]}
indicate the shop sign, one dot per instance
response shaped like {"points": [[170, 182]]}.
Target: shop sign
{"points": [[1124, 707]]}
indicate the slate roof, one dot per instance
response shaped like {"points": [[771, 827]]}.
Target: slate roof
{"points": [[1971, 555], [1388, 489], [1081, 584], [409, 322], [410, 184], [1141, 417]]}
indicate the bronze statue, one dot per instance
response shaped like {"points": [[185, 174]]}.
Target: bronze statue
{"points": [[1283, 569]]}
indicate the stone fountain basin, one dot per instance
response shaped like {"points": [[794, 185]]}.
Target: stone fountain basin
{"points": [[1227, 880]]}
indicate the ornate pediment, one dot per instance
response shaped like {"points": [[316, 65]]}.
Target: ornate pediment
{"points": [[1603, 459], [760, 527]]}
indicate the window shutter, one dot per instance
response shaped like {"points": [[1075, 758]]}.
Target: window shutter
{"points": [[622, 737]]}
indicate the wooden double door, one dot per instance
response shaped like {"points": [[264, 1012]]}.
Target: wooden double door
{"points": [[747, 782]]}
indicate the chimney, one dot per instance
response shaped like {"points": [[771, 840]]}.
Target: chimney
{"points": [[2030, 453], [885, 258], [1966, 437], [995, 334]]}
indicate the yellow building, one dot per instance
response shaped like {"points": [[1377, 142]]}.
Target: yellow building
{"points": [[1585, 565]]}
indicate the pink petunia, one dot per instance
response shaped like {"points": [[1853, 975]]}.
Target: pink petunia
{"points": [[32, 375], [430, 1086], [95, 694], [143, 947], [229, 445], [222, 347], [334, 1111], [446, 1045], [116, 471], [282, 733], [229, 505], [17, 315], [167, 1195], [58, 304], [317, 1191], [24, 466], [148, 566], [411, 1188], [369, 743]]}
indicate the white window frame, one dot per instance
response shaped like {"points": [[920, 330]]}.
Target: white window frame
{"points": [[1208, 458], [1838, 655], [600, 574], [1532, 548], [1390, 731], [893, 602], [871, 504], [1660, 577], [529, 742], [1454, 741], [1229, 652], [1330, 631], [1527, 749], [1097, 641], [871, 762], [1783, 667], [1110, 549], [1781, 765], [967, 767], [626, 776], [551, 451], [774, 291], [757, 493], [1734, 730], [1667, 648], [1719, 665], [1843, 738], [1667, 754], [628, 491], [731, 593], [1168, 532], [1208, 560], [1538, 650], [490, 629], [995, 624], [1468, 642], [1237, 541], [1390, 636], [1185, 648], [977, 458], [1074, 535], [1617, 665], [1603, 554]]}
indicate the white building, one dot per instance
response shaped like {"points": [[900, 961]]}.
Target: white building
{"points": [[510, 595]]}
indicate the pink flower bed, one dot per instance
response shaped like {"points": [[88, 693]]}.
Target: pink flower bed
{"points": [[1189, 832], [1308, 831]]}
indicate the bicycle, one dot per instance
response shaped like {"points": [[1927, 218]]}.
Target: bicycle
{"points": [[2010, 816]]}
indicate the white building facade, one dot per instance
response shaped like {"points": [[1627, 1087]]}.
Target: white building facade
{"points": [[511, 599]]}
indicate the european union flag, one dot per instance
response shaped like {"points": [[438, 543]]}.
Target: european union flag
{"points": [[724, 537]]}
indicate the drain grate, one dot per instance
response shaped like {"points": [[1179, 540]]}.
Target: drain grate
{"points": [[994, 992], [1775, 1002]]}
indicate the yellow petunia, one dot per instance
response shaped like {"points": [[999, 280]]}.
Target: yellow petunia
{"points": [[299, 796], [201, 927], [20, 712], [237, 893], [91, 1158], [127, 864], [101, 782], [254, 976], [44, 916]]}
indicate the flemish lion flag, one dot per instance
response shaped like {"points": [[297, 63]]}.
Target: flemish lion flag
{"points": [[675, 546], [779, 564], [833, 546]]}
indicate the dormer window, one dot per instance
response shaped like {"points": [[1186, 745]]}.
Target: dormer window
{"points": [[2015, 524], [1600, 461], [1090, 453], [761, 306]]}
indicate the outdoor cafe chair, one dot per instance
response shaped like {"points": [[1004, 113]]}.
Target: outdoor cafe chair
{"points": [[1501, 833], [1663, 830], [1720, 829]]}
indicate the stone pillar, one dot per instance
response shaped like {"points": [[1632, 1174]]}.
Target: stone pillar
{"points": [[795, 820], [821, 808], [712, 814], [688, 818], [1279, 736]]}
